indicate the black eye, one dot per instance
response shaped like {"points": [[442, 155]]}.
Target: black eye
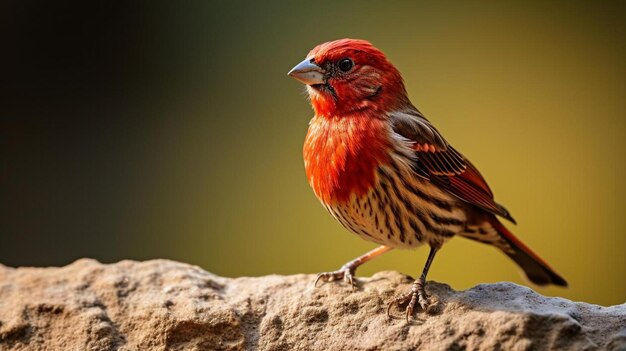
{"points": [[345, 64]]}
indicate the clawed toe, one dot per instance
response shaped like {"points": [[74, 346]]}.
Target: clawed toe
{"points": [[423, 301], [343, 273], [416, 297]]}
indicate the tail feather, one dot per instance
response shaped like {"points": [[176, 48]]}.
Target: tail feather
{"points": [[536, 269]]}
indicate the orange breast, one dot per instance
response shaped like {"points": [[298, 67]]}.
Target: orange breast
{"points": [[341, 155]]}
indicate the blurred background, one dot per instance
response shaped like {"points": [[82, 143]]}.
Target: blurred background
{"points": [[147, 129]]}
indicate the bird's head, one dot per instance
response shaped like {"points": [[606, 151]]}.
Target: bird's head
{"points": [[349, 75]]}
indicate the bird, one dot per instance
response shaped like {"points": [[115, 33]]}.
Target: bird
{"points": [[383, 170]]}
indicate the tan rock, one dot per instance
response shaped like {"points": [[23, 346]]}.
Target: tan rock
{"points": [[165, 305]]}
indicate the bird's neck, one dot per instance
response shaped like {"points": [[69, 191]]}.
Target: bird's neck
{"points": [[346, 100], [342, 153]]}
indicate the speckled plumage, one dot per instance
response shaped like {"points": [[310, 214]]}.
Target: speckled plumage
{"points": [[386, 173], [366, 182]]}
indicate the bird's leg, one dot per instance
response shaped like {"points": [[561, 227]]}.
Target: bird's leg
{"points": [[346, 272], [417, 293]]}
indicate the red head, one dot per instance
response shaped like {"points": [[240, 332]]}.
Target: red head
{"points": [[350, 75]]}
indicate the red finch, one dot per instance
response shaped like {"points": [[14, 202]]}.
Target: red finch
{"points": [[387, 174]]}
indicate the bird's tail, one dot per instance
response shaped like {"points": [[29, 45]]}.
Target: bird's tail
{"points": [[536, 269]]}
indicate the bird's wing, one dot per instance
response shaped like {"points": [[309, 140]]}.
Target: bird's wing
{"points": [[443, 165]]}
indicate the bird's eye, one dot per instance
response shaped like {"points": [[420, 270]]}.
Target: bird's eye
{"points": [[345, 64]]}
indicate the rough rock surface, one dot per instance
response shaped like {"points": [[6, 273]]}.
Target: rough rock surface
{"points": [[165, 305]]}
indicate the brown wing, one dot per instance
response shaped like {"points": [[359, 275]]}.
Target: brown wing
{"points": [[443, 165]]}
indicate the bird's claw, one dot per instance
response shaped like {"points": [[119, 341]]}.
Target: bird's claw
{"points": [[417, 296], [344, 273]]}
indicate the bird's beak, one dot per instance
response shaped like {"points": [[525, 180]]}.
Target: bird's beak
{"points": [[308, 72]]}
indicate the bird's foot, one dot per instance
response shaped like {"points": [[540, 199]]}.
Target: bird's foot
{"points": [[417, 296], [346, 273]]}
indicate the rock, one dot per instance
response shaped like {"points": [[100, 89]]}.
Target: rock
{"points": [[165, 305]]}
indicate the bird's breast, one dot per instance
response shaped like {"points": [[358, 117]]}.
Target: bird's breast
{"points": [[342, 154]]}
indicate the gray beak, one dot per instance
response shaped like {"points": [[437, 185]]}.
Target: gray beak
{"points": [[308, 72]]}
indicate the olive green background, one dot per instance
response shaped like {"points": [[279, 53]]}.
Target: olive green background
{"points": [[170, 130]]}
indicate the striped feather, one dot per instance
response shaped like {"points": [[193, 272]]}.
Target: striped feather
{"points": [[402, 210]]}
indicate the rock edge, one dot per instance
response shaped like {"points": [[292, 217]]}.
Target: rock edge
{"points": [[166, 305]]}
